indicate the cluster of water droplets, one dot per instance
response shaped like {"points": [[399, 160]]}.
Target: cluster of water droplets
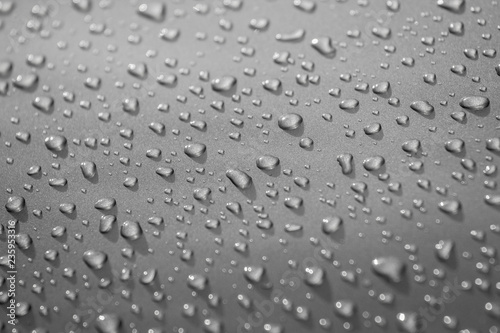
{"points": [[256, 166]]}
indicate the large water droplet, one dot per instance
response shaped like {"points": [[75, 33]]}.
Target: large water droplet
{"points": [[474, 103], [290, 121], [239, 178], [15, 204]]}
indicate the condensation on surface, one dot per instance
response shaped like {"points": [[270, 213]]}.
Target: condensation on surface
{"points": [[251, 166]]}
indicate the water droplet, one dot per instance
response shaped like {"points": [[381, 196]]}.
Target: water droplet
{"points": [[131, 230], [409, 322], [455, 146], [451, 207], [349, 104], [197, 281], [239, 178], [268, 162], [95, 259], [15, 204], [451, 5], [331, 224], [345, 308], [56, 143], [195, 149], [89, 169], [314, 276], [254, 273], [290, 121], [105, 204], [225, 83], [346, 161], [474, 103], [153, 11], [444, 249], [422, 107], [108, 323], [324, 46], [381, 88], [272, 85], [373, 163], [389, 267]]}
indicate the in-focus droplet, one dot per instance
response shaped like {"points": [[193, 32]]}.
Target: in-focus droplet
{"points": [[290, 121], [474, 103], [267, 162], [56, 143], [239, 178]]}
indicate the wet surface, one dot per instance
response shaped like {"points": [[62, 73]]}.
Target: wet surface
{"points": [[251, 166]]}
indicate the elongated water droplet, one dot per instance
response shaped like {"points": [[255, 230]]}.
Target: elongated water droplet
{"points": [[225, 83], [105, 204], [474, 103], [373, 163], [239, 178], [451, 5], [451, 207], [267, 162], [422, 107], [345, 161], [89, 169]]}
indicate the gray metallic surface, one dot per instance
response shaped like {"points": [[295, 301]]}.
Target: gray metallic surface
{"points": [[383, 221]]}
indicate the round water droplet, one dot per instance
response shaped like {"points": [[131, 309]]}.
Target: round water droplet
{"points": [[15, 204], [131, 230], [290, 121], [389, 267]]}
